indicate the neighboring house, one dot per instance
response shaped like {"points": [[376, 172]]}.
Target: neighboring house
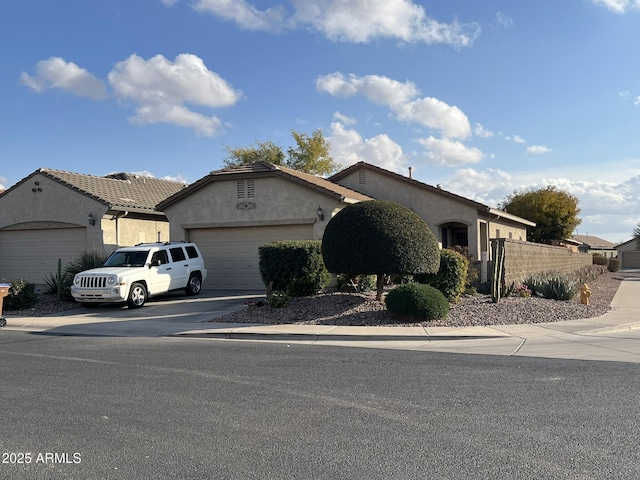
{"points": [[231, 212], [591, 244], [629, 254], [52, 214], [455, 220]]}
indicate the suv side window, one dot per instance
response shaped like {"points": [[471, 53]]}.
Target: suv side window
{"points": [[159, 258], [177, 254], [191, 251]]}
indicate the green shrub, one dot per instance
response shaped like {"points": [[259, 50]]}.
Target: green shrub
{"points": [[59, 283], [598, 259], [451, 278], [379, 237], [293, 266], [278, 300], [555, 286], [85, 261], [358, 283], [22, 295], [419, 301], [614, 265]]}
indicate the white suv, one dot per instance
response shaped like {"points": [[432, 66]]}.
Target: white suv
{"points": [[133, 274]]}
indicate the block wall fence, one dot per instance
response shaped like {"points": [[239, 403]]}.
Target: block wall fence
{"points": [[525, 258]]}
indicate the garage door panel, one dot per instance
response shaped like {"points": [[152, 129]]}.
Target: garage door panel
{"points": [[231, 254], [33, 254]]}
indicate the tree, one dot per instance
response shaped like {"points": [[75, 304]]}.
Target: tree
{"points": [[636, 235], [311, 154], [260, 151], [554, 212], [379, 237]]}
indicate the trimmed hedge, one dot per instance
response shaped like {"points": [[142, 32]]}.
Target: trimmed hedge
{"points": [[379, 237], [22, 295], [419, 301], [451, 278], [614, 265], [293, 266]]}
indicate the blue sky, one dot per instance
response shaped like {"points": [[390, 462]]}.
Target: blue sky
{"points": [[483, 98]]}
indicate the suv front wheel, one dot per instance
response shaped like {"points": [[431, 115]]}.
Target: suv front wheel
{"points": [[193, 285], [137, 295]]}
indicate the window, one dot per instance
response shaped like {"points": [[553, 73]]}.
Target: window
{"points": [[192, 252], [159, 258], [177, 254]]}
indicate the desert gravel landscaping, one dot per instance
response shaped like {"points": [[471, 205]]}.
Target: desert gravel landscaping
{"points": [[363, 309]]}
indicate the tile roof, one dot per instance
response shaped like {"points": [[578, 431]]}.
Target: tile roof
{"points": [[120, 191], [437, 190], [259, 169], [593, 242]]}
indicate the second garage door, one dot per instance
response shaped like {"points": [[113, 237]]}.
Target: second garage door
{"points": [[231, 253], [33, 254]]}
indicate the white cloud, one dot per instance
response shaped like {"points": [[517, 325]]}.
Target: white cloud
{"points": [[3, 181], [160, 88], [538, 149], [348, 147], [434, 113], [246, 15], [636, 101], [515, 139], [400, 98], [344, 119], [346, 20], [57, 73], [377, 89], [503, 20], [480, 131], [618, 6], [443, 151]]}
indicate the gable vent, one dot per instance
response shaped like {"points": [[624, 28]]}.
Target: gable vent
{"points": [[240, 188], [251, 189], [362, 179]]}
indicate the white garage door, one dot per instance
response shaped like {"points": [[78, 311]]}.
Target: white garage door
{"points": [[231, 254], [33, 254]]}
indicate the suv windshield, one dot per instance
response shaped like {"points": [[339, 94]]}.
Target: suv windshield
{"points": [[123, 258]]}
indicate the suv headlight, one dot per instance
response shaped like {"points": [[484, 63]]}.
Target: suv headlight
{"points": [[111, 280], [76, 279]]}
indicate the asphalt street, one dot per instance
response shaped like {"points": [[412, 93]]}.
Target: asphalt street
{"points": [[193, 408]]}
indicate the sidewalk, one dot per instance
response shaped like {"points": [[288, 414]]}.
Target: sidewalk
{"points": [[591, 338]]}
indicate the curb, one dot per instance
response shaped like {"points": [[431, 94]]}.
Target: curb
{"points": [[334, 338]]}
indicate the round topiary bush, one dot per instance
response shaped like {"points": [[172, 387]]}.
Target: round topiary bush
{"points": [[379, 237], [419, 301]]}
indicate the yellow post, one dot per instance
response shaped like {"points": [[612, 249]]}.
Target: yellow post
{"points": [[585, 293]]}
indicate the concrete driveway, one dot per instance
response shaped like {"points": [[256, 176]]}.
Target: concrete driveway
{"points": [[162, 315]]}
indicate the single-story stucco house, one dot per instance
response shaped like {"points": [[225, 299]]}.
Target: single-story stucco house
{"points": [[455, 220], [591, 244], [231, 212], [629, 253], [53, 214]]}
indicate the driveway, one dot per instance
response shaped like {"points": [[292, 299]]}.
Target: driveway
{"points": [[162, 315]]}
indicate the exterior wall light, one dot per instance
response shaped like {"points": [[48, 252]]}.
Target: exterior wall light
{"points": [[92, 220], [320, 213]]}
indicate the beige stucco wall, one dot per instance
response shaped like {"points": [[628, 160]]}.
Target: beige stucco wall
{"points": [[630, 246], [49, 206], [277, 201], [127, 231]]}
